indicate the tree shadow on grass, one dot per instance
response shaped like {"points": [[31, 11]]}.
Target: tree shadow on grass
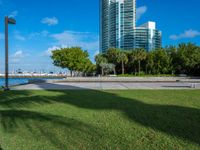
{"points": [[45, 125], [178, 121], [19, 99], [182, 122]]}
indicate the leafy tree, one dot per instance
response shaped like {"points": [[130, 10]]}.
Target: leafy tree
{"points": [[161, 61], [149, 63], [108, 67], [74, 58], [188, 57], [174, 60], [88, 67], [184, 58]]}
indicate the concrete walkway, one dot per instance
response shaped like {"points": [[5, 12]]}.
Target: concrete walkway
{"points": [[108, 85]]}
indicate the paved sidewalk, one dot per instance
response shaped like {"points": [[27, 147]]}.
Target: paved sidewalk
{"points": [[108, 85]]}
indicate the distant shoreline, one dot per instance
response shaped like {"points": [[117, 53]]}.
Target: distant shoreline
{"points": [[25, 77]]}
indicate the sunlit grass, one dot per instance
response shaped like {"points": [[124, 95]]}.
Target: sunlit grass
{"points": [[129, 119]]}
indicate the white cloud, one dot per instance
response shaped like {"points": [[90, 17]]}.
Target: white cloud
{"points": [[50, 21], [18, 36], [82, 39], [36, 34], [48, 52], [44, 33], [85, 40], [187, 34], [140, 11], [1, 36], [18, 55], [13, 14]]}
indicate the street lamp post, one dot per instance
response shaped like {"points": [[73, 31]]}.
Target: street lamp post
{"points": [[7, 22]]}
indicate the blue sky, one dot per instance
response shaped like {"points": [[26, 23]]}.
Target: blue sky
{"points": [[43, 25]]}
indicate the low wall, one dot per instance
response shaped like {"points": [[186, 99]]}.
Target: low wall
{"points": [[128, 79]]}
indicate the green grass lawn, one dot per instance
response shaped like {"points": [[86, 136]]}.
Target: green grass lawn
{"points": [[131, 119]]}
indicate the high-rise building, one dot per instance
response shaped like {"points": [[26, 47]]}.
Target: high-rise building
{"points": [[147, 37], [118, 25], [117, 21]]}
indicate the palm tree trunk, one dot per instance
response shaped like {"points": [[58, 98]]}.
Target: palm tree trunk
{"points": [[102, 71], [135, 70], [114, 71], [71, 73], [146, 69], [123, 67], [139, 68]]}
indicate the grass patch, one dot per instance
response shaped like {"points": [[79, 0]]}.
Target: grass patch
{"points": [[130, 119]]}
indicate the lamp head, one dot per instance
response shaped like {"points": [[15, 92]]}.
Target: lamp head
{"points": [[11, 21]]}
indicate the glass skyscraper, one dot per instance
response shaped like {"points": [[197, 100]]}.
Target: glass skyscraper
{"points": [[118, 26], [147, 37]]}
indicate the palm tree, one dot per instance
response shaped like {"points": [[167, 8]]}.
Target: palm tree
{"points": [[138, 56], [111, 54], [100, 60], [123, 59]]}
